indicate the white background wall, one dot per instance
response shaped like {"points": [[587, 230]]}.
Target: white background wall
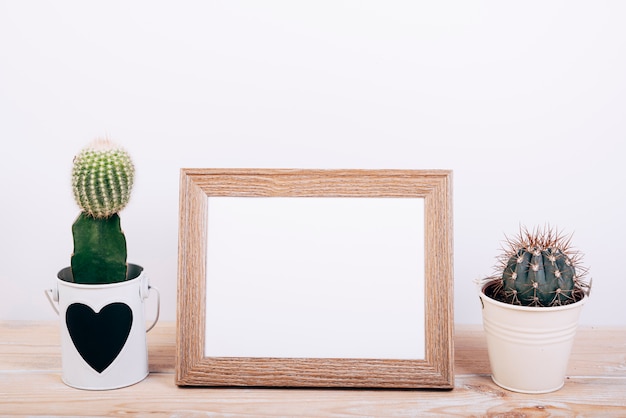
{"points": [[525, 101]]}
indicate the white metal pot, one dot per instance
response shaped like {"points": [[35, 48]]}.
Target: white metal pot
{"points": [[529, 347], [103, 330]]}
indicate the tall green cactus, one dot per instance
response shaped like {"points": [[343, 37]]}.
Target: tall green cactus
{"points": [[539, 268], [102, 178]]}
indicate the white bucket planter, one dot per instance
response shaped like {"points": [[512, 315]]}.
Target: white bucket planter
{"points": [[529, 347], [103, 330]]}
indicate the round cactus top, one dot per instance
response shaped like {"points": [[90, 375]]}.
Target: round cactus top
{"points": [[538, 268], [102, 178]]}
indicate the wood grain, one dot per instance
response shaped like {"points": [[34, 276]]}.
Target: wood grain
{"points": [[434, 186], [30, 385]]}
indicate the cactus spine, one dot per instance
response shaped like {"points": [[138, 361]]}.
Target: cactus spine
{"points": [[102, 178], [539, 268]]}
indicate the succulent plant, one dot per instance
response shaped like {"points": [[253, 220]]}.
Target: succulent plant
{"points": [[539, 268], [102, 178]]}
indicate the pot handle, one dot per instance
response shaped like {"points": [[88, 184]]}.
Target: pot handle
{"points": [[158, 311], [53, 297]]}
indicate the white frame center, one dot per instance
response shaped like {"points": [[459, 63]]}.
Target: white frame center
{"points": [[315, 277]]}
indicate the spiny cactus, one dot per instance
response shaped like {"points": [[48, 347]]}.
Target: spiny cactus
{"points": [[102, 178], [539, 268]]}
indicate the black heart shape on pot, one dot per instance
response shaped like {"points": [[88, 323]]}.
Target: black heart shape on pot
{"points": [[99, 337]]}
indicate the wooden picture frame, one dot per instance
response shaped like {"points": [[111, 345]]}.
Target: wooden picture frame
{"points": [[193, 368]]}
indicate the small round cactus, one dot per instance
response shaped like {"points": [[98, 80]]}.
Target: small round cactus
{"points": [[538, 268], [102, 178]]}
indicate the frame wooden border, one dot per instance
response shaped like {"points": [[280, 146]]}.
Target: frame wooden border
{"points": [[194, 369]]}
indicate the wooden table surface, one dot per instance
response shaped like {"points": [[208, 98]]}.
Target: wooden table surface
{"points": [[30, 384]]}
